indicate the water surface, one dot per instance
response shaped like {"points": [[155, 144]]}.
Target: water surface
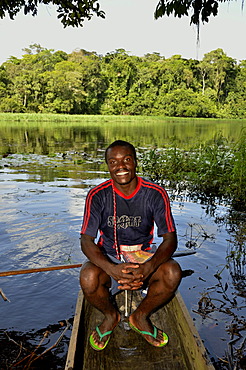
{"points": [[45, 175]]}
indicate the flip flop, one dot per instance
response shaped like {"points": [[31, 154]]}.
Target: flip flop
{"points": [[154, 335], [101, 336]]}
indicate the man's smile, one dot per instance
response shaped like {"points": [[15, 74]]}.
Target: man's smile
{"points": [[122, 173]]}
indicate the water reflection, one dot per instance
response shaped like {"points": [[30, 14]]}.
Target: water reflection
{"points": [[93, 134]]}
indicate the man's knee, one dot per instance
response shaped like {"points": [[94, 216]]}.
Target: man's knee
{"points": [[174, 270], [91, 277], [170, 273]]}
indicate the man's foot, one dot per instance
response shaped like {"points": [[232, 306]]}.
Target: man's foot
{"points": [[99, 338], [154, 336]]}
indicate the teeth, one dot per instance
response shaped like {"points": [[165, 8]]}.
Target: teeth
{"points": [[121, 173]]}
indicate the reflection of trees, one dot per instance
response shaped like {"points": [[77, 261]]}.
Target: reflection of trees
{"points": [[40, 140], [93, 133], [227, 299], [236, 256]]}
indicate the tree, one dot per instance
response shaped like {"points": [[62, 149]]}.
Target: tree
{"points": [[236, 99], [65, 93], [200, 10], [26, 84], [92, 80], [119, 69], [73, 13], [218, 72], [44, 80]]}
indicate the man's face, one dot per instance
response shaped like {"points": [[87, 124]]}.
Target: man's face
{"points": [[121, 164]]}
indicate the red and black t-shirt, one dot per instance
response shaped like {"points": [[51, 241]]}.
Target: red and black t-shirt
{"points": [[135, 215]]}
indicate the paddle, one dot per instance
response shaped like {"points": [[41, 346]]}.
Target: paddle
{"points": [[61, 267], [38, 269], [183, 253]]}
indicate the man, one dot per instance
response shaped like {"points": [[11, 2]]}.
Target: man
{"points": [[124, 210]]}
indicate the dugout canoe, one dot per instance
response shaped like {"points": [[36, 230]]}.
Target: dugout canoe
{"points": [[127, 350]]}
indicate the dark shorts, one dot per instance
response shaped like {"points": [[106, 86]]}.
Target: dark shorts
{"points": [[114, 284]]}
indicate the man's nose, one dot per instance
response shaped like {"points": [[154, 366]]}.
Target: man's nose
{"points": [[121, 163]]}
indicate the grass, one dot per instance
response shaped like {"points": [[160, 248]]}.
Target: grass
{"points": [[52, 117]]}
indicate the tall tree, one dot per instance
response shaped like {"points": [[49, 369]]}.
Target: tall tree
{"points": [[236, 99], [119, 70], [26, 76], [92, 79], [218, 71]]}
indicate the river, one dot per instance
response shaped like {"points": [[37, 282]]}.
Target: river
{"points": [[46, 171]]}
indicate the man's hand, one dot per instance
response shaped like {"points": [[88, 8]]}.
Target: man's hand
{"points": [[127, 276], [140, 274]]}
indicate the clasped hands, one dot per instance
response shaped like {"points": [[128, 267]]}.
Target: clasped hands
{"points": [[130, 276]]}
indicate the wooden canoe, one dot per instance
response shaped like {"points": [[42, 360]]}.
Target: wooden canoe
{"points": [[127, 350]]}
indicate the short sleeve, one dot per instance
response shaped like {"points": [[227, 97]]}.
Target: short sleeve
{"points": [[162, 212], [92, 214]]}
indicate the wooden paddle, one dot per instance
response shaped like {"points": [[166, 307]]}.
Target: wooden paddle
{"points": [[61, 267], [39, 269]]}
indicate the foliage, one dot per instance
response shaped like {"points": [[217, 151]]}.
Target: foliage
{"points": [[200, 11], [213, 171], [48, 81], [73, 13]]}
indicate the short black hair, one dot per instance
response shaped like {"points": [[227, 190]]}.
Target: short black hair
{"points": [[121, 143]]}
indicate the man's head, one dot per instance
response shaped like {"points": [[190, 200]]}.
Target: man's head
{"points": [[121, 143], [121, 159]]}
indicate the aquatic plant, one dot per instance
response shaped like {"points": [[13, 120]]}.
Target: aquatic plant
{"points": [[213, 172]]}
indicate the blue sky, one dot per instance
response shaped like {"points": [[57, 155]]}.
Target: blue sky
{"points": [[130, 25]]}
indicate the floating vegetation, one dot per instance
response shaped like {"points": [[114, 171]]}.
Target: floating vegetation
{"points": [[196, 235], [213, 172]]}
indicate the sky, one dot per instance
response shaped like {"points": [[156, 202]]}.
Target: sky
{"points": [[129, 25]]}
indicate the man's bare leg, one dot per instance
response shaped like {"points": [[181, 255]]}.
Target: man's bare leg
{"points": [[162, 286], [95, 284]]}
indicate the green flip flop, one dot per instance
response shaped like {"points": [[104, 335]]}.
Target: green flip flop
{"points": [[154, 335], [101, 336]]}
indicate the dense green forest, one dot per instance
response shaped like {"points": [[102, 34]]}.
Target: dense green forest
{"points": [[48, 81]]}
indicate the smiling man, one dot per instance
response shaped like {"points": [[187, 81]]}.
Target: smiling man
{"points": [[124, 210]]}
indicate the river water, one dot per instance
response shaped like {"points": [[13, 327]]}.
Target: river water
{"points": [[44, 180]]}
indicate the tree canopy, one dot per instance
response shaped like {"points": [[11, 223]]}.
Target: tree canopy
{"points": [[48, 81], [74, 13]]}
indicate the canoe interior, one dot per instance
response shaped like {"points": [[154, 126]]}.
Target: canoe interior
{"points": [[128, 350]]}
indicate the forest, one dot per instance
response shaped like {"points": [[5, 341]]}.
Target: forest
{"points": [[48, 81]]}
